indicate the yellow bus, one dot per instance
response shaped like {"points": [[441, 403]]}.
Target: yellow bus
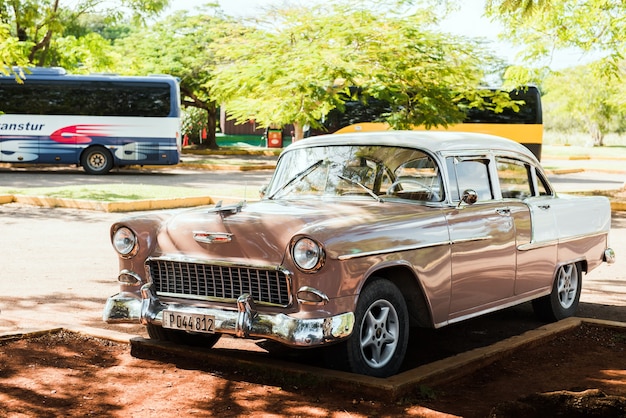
{"points": [[524, 126]]}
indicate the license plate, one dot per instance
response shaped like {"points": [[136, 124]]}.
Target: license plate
{"points": [[188, 322]]}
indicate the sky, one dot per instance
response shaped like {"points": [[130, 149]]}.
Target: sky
{"points": [[468, 21]]}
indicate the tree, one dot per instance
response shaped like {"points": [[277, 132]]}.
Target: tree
{"points": [[41, 24], [585, 96], [180, 46], [296, 64], [545, 26]]}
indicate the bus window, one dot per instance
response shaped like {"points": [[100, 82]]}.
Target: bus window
{"points": [[96, 121]]}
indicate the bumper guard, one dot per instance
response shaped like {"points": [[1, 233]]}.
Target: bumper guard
{"points": [[245, 322]]}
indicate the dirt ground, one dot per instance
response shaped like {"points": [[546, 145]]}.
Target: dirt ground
{"points": [[72, 375]]}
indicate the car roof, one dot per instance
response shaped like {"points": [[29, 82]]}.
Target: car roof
{"points": [[433, 141]]}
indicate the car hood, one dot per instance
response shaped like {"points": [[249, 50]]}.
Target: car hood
{"points": [[261, 232]]}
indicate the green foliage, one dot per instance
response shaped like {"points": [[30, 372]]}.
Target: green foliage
{"points": [[54, 32], [296, 64], [543, 27], [586, 97], [86, 54], [187, 56], [11, 51]]}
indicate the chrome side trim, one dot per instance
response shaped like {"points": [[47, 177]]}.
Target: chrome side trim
{"points": [[392, 250], [577, 237], [534, 245], [494, 308], [473, 239]]}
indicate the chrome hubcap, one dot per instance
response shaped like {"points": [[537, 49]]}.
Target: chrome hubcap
{"points": [[567, 283], [379, 334]]}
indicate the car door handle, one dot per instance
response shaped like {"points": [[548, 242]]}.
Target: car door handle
{"points": [[504, 211], [544, 207]]}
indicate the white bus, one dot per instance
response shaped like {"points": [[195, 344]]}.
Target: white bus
{"points": [[95, 121]]}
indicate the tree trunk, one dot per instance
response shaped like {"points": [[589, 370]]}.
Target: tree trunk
{"points": [[211, 141], [298, 131], [596, 135]]}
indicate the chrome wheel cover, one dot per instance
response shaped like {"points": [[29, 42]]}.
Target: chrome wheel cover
{"points": [[567, 285], [380, 330]]}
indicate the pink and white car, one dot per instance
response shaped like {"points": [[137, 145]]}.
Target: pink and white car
{"points": [[359, 237]]}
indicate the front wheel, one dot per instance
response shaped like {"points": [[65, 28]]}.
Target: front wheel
{"points": [[379, 340], [563, 301], [96, 160]]}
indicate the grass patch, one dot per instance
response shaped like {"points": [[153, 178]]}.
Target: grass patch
{"points": [[109, 192], [561, 151], [131, 192]]}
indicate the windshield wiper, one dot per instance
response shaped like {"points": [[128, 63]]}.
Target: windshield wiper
{"points": [[362, 186], [297, 177]]}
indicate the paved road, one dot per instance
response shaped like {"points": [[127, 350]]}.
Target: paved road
{"points": [[189, 177], [179, 176]]}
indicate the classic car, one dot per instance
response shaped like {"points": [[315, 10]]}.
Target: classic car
{"points": [[356, 239]]}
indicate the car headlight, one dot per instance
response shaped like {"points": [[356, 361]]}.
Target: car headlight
{"points": [[307, 254], [125, 242]]}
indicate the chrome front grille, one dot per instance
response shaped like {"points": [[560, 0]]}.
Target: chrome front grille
{"points": [[218, 282]]}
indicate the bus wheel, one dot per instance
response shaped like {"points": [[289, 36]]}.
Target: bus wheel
{"points": [[96, 160]]}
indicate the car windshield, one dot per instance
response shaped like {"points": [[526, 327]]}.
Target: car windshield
{"points": [[378, 172]]}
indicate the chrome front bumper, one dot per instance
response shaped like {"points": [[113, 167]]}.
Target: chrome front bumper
{"points": [[245, 322]]}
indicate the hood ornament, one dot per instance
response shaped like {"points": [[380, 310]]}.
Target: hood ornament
{"points": [[225, 211], [212, 237]]}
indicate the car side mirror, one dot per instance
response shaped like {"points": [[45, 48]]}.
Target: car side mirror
{"points": [[469, 197], [262, 191]]}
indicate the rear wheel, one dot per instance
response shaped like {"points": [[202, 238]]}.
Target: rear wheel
{"points": [[563, 301], [96, 160], [181, 337], [380, 337]]}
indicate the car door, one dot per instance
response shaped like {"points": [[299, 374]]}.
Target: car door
{"points": [[483, 250], [538, 242]]}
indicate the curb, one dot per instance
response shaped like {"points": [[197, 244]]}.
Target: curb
{"points": [[618, 206], [227, 167], [127, 206]]}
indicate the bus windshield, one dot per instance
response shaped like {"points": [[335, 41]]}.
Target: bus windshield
{"points": [[524, 125], [96, 121]]}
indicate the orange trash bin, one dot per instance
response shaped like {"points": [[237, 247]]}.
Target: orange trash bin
{"points": [[275, 138]]}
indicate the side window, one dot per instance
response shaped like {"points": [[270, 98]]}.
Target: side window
{"points": [[515, 178], [543, 187], [418, 179], [470, 174]]}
